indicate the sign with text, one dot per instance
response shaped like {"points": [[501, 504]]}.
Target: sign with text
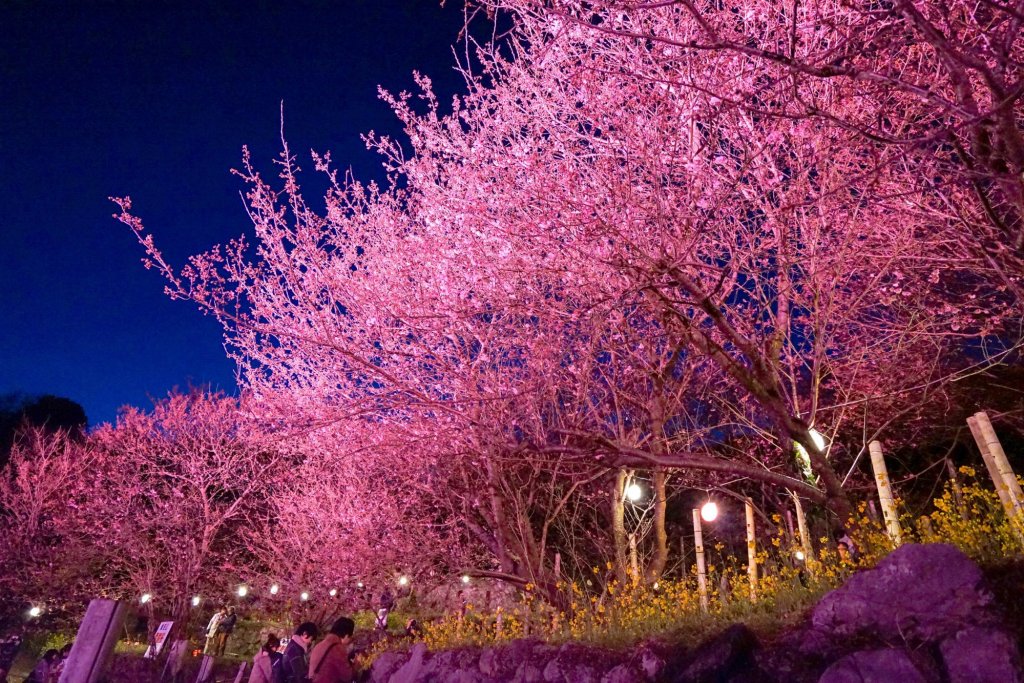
{"points": [[159, 638]]}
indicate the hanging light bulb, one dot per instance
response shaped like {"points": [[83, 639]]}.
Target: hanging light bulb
{"points": [[403, 581], [709, 511], [146, 597], [243, 590], [634, 492], [35, 612], [465, 578], [333, 592], [274, 589], [196, 600], [304, 596]]}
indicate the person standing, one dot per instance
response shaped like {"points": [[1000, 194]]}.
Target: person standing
{"points": [[44, 669], [329, 662], [266, 662], [224, 630], [211, 631], [295, 663]]}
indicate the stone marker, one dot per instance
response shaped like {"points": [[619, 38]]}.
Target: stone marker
{"points": [[95, 641]]}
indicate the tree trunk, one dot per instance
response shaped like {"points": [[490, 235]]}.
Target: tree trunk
{"points": [[619, 525]]}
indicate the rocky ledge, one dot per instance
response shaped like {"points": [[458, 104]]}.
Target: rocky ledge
{"points": [[924, 615]]}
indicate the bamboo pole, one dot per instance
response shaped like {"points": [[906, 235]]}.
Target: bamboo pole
{"points": [[999, 458], [892, 522], [682, 552], [702, 577], [990, 465], [634, 561], [751, 550], [805, 538], [958, 494]]}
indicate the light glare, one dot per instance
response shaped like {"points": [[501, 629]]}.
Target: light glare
{"points": [[709, 512]]}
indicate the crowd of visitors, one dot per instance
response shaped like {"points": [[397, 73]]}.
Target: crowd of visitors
{"points": [[329, 661], [50, 666]]}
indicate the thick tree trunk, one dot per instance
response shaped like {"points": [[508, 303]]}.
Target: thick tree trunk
{"points": [[656, 567]]}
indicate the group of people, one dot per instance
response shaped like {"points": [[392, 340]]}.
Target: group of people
{"points": [[220, 628], [329, 661], [50, 666]]}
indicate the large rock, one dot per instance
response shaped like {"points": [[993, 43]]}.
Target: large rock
{"points": [[981, 655], [729, 656], [412, 670], [883, 666], [919, 593]]}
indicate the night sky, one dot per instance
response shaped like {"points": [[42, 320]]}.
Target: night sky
{"points": [[155, 100]]}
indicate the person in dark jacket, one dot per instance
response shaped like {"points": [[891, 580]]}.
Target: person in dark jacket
{"points": [[295, 662], [224, 630]]}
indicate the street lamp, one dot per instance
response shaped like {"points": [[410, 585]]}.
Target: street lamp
{"points": [[709, 511], [634, 492], [801, 453]]}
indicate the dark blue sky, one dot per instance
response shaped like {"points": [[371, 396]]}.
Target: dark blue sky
{"points": [[155, 101]]}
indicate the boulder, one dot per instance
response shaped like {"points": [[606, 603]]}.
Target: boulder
{"points": [[412, 670], [981, 655], [919, 593], [386, 664], [728, 656], [884, 665], [576, 663], [624, 673]]}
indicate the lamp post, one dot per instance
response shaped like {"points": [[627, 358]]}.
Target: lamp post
{"points": [[702, 576]]}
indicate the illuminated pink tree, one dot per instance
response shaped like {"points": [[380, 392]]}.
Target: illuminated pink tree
{"points": [[168, 495], [599, 230]]}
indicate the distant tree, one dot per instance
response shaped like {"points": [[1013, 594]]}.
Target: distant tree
{"points": [[49, 412], [41, 562]]}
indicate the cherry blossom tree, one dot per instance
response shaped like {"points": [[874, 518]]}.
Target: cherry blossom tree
{"points": [[601, 257], [41, 564], [168, 494], [934, 89]]}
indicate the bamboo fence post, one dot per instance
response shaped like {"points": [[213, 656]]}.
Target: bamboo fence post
{"points": [[682, 551], [751, 550], [634, 561], [999, 458], [702, 577], [993, 472], [958, 494], [892, 522], [805, 538]]}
